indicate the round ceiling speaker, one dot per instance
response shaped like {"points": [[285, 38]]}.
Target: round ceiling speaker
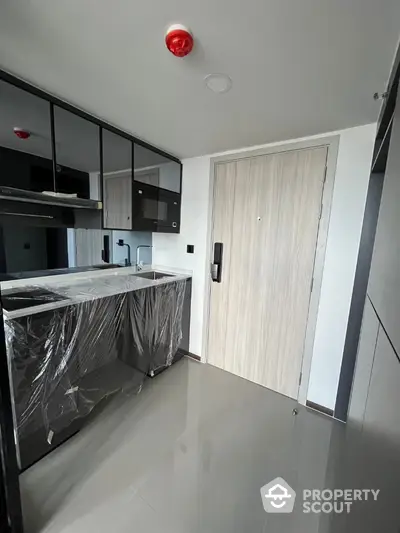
{"points": [[22, 134], [218, 83], [179, 40]]}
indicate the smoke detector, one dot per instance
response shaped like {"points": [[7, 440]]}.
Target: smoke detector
{"points": [[179, 40], [21, 133]]}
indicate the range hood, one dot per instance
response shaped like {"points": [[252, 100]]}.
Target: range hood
{"points": [[22, 195]]}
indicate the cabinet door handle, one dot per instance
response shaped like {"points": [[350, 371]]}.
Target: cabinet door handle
{"points": [[216, 266], [174, 224]]}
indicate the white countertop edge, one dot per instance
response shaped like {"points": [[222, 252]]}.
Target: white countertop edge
{"points": [[80, 276], [67, 280]]}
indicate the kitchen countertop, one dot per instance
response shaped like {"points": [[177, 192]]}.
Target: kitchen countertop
{"points": [[85, 286]]}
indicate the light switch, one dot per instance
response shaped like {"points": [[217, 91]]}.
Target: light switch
{"points": [[190, 249]]}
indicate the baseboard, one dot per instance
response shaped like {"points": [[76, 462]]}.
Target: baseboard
{"points": [[320, 408], [189, 354]]}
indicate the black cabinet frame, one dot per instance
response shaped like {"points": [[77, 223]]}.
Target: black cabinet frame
{"points": [[54, 101], [156, 192]]}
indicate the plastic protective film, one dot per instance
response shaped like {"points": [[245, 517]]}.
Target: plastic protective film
{"points": [[65, 361]]}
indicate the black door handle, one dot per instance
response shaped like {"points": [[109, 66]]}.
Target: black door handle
{"points": [[105, 253], [216, 266]]}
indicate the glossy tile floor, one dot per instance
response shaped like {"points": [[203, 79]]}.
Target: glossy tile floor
{"points": [[190, 454]]}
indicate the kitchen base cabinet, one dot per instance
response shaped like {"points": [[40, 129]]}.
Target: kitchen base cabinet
{"points": [[160, 327], [66, 363], [159, 363], [63, 363]]}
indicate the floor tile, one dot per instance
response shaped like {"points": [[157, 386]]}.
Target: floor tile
{"points": [[190, 454]]}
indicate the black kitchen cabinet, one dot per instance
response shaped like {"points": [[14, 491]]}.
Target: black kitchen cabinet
{"points": [[156, 192], [136, 200], [25, 163], [65, 150], [77, 153], [132, 205], [65, 361], [30, 164], [39, 408], [159, 334]]}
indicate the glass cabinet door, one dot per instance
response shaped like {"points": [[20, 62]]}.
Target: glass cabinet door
{"points": [[154, 169], [77, 143], [26, 159]]}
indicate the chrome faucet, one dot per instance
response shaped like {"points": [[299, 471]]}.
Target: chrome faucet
{"points": [[138, 254]]}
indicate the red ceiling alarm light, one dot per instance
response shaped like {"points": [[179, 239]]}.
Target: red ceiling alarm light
{"points": [[179, 40], [22, 134]]}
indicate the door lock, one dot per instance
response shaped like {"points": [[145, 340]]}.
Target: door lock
{"points": [[216, 266]]}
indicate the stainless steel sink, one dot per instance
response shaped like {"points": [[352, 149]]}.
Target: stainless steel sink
{"points": [[153, 275]]}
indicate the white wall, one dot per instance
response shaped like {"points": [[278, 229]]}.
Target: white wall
{"points": [[349, 195], [170, 250], [351, 182]]}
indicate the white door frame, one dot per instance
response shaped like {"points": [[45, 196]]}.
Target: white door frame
{"points": [[332, 143]]}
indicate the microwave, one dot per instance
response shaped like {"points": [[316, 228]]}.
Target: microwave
{"points": [[156, 209]]}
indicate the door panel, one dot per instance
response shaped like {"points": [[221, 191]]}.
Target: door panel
{"points": [[89, 244], [118, 202], [225, 179], [266, 213]]}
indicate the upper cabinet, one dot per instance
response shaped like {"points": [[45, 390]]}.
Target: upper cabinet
{"points": [[117, 181], [77, 153], [48, 146], [154, 169], [141, 188], [156, 191], [26, 161]]}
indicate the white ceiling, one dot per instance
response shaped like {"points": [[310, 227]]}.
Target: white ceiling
{"points": [[299, 67]]}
